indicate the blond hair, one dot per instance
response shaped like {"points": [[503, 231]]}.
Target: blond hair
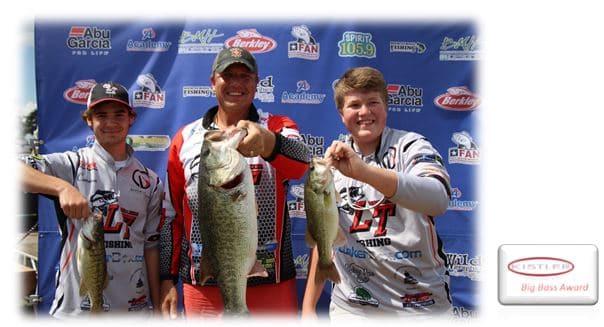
{"points": [[363, 79]]}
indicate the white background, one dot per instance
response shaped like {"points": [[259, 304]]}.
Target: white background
{"points": [[541, 149]]}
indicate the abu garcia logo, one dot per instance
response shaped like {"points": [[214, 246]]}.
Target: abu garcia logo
{"points": [[90, 38]]}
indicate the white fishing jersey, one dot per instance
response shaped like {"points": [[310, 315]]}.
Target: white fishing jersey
{"points": [[393, 261], [130, 200]]}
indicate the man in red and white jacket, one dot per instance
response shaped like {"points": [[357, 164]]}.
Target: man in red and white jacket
{"points": [[275, 155]]}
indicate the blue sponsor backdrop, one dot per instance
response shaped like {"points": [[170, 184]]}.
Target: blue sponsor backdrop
{"points": [[430, 68]]}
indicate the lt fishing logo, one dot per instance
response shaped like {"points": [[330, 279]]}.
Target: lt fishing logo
{"points": [[305, 46], [405, 98], [149, 94], [356, 44], [466, 152], [147, 43], [87, 40]]}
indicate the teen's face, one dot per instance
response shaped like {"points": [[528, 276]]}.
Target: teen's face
{"points": [[110, 122], [364, 115], [235, 87]]}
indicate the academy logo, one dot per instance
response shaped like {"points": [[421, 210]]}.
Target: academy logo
{"points": [[302, 95], [199, 41], [466, 152], [456, 204], [457, 98], [149, 94], [78, 94], [252, 41], [305, 46], [147, 43]]}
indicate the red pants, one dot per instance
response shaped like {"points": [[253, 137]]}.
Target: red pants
{"points": [[271, 299]]}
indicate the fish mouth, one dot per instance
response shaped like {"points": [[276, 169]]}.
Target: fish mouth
{"points": [[233, 182]]}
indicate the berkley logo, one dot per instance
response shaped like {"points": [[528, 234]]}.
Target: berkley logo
{"points": [[541, 266], [79, 93], [457, 98], [252, 41]]}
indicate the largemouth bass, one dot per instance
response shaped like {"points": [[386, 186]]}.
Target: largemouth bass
{"points": [[227, 219], [91, 261], [322, 229]]}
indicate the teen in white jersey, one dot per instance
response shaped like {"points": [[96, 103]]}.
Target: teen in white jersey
{"points": [[392, 184], [105, 177]]}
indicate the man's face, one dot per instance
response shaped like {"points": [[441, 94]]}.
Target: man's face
{"points": [[235, 87], [110, 122], [364, 115]]}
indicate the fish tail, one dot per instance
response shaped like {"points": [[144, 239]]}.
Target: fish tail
{"points": [[325, 272]]}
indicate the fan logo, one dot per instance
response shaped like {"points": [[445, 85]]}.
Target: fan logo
{"points": [[541, 266]]}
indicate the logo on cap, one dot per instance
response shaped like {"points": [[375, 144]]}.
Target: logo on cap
{"points": [[110, 89], [235, 52]]}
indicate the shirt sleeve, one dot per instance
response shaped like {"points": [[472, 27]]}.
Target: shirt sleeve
{"points": [[63, 165], [290, 157], [423, 184]]}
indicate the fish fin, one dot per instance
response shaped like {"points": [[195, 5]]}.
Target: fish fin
{"points": [[327, 272], [258, 270], [340, 238], [310, 240]]}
